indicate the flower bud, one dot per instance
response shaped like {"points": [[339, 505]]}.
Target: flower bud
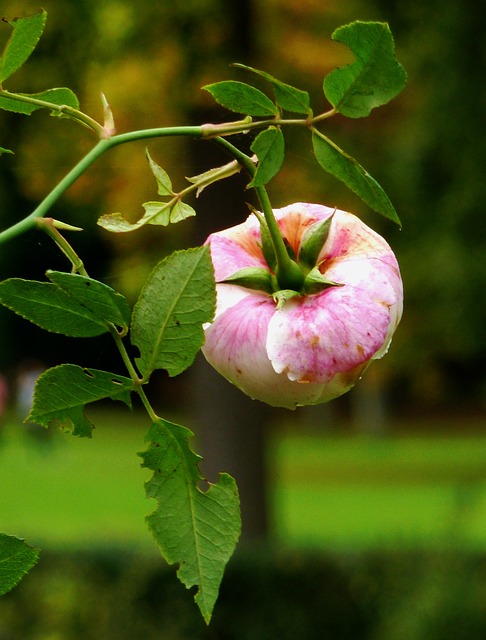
{"points": [[311, 346]]}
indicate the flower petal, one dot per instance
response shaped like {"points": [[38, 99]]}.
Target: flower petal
{"points": [[315, 347], [294, 219], [236, 248], [311, 339], [236, 347]]}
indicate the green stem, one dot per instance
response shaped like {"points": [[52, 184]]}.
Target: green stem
{"points": [[98, 150], [205, 131], [48, 225], [73, 113], [133, 374], [289, 274]]}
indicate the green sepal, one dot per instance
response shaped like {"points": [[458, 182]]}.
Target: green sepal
{"points": [[315, 282], [313, 240], [255, 278], [283, 296]]}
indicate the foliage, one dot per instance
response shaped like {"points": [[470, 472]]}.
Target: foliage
{"points": [[196, 529], [267, 594], [16, 559]]}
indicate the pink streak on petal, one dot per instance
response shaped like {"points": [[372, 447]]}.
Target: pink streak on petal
{"points": [[349, 237], [232, 254], [236, 347], [313, 339], [235, 342]]}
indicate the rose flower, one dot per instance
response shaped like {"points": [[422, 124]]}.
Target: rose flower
{"points": [[299, 347]]}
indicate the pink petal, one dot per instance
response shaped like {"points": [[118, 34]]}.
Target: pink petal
{"points": [[236, 248], [295, 219], [314, 338], [235, 341], [236, 347]]}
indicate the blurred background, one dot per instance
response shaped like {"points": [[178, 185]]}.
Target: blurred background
{"points": [[364, 518]]}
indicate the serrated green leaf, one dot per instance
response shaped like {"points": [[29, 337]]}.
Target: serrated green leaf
{"points": [[269, 147], [60, 97], [61, 393], [342, 166], [198, 530], [178, 297], [164, 184], [242, 98], [51, 308], [16, 559], [287, 97], [104, 302], [373, 79], [23, 40]]}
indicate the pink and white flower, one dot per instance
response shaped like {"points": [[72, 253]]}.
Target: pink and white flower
{"points": [[314, 347]]}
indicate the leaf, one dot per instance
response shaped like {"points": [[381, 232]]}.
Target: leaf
{"points": [[23, 40], [180, 211], [242, 98], [211, 176], [2, 150], [61, 393], [178, 297], [164, 184], [287, 97], [198, 530], [156, 213], [116, 223], [51, 308], [104, 302], [60, 96], [269, 147], [333, 160], [373, 79], [16, 559]]}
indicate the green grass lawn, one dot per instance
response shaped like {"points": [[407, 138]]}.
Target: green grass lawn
{"points": [[360, 493], [336, 493]]}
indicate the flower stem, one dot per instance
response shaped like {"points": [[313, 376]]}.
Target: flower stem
{"points": [[108, 141], [81, 167], [289, 274]]}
